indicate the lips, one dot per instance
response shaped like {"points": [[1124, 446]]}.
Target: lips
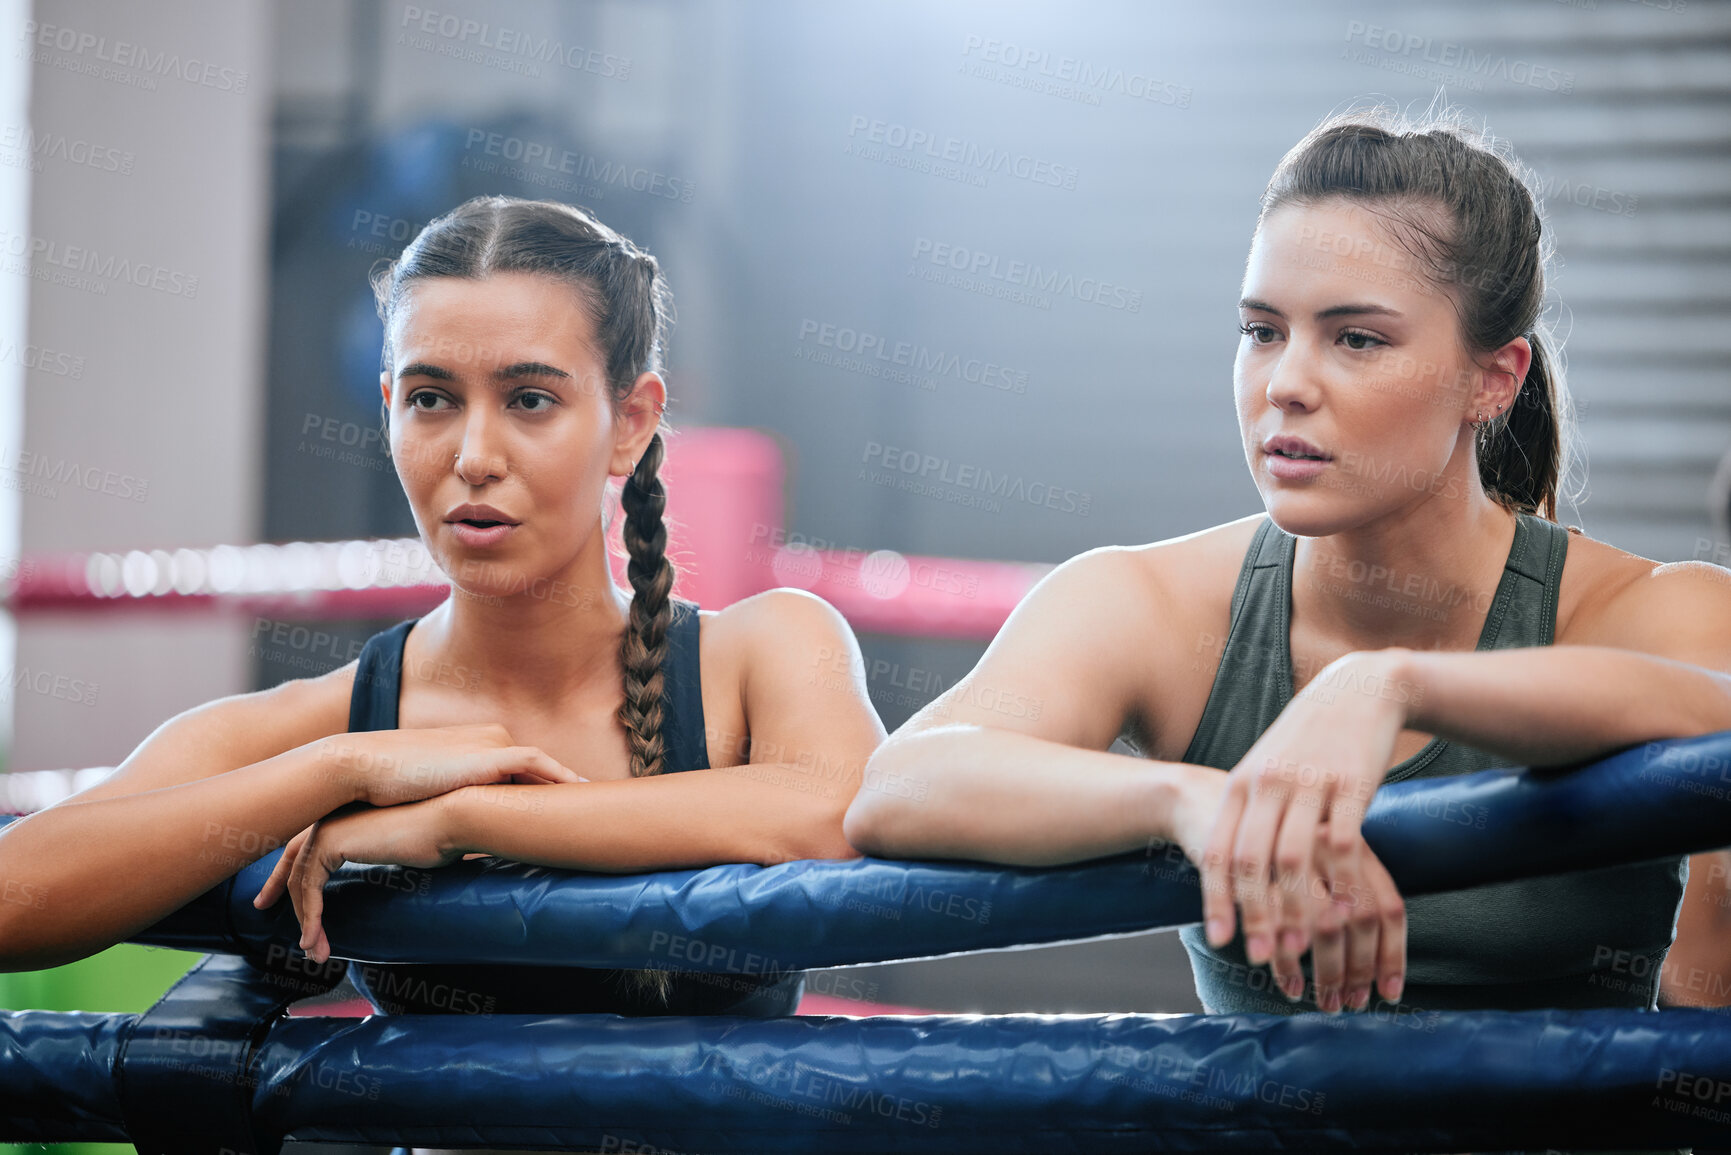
{"points": [[1293, 449], [479, 516], [1293, 459], [480, 526]]}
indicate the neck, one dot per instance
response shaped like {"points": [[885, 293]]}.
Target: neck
{"points": [[557, 635], [1424, 578]]}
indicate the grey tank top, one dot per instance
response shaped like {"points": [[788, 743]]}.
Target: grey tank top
{"points": [[1593, 938]]}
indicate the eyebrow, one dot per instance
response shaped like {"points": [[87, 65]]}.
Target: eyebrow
{"points": [[1351, 310], [508, 373]]}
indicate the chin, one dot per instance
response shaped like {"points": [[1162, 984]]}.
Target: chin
{"points": [[1313, 514]]}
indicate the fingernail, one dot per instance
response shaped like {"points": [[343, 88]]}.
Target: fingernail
{"points": [[1359, 999], [1256, 948], [1291, 942], [1330, 1000], [1216, 931], [1293, 989], [1392, 988]]}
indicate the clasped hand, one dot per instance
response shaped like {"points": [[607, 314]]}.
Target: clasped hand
{"points": [[402, 780], [1287, 847]]}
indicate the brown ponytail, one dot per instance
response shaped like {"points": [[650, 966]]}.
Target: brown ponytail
{"points": [[1487, 248]]}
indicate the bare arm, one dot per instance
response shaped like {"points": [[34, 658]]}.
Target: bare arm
{"points": [[1010, 764], [209, 791], [1654, 662]]}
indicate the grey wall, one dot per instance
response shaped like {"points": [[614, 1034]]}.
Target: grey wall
{"points": [[160, 422]]}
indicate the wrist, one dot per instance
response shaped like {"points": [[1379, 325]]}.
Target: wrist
{"points": [[452, 830], [335, 764], [1383, 678], [1397, 667], [1171, 801]]}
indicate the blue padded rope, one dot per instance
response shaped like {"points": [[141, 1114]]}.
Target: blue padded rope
{"points": [[1487, 1076], [1659, 800], [958, 1084]]}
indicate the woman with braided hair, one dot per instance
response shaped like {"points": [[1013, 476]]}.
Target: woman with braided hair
{"points": [[539, 714]]}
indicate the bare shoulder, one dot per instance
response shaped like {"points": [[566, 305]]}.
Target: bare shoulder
{"points": [[784, 681], [774, 626], [235, 731], [1193, 569], [1611, 597], [778, 643], [1102, 645]]}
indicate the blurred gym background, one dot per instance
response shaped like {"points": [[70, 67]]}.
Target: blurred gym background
{"points": [[192, 193]]}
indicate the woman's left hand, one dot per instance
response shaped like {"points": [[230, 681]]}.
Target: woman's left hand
{"points": [[1288, 848], [411, 834]]}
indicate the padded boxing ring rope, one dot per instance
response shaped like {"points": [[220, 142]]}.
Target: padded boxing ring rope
{"points": [[215, 1065]]}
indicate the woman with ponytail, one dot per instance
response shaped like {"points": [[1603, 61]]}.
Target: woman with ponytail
{"points": [[539, 714], [1407, 607]]}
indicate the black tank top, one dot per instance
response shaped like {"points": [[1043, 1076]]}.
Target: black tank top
{"points": [[1589, 939], [438, 988]]}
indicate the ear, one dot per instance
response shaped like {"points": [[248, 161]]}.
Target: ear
{"points": [[639, 418], [1503, 376]]}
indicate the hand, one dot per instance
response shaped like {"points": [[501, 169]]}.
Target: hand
{"points": [[411, 835], [390, 767], [1288, 849]]}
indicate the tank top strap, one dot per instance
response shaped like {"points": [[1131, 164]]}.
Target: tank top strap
{"points": [[682, 726], [379, 678], [1525, 610], [1254, 680]]}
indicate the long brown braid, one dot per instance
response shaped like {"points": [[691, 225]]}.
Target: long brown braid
{"points": [[644, 646], [627, 298]]}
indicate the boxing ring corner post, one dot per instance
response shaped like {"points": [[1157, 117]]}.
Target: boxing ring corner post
{"points": [[215, 1064]]}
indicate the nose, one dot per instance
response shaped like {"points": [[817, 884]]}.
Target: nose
{"points": [[1292, 385], [480, 458]]}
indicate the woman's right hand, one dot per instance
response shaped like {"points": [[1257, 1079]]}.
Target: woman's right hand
{"points": [[388, 767], [1360, 925]]}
